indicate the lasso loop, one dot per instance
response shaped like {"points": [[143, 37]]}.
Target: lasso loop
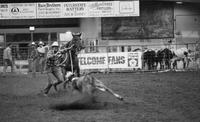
{"points": [[60, 53]]}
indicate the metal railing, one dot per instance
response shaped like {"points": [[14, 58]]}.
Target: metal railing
{"points": [[142, 48], [22, 54], [131, 48]]}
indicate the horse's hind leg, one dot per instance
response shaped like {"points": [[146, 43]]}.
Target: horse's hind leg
{"points": [[65, 84], [48, 87]]}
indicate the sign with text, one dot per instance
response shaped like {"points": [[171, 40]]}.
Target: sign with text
{"points": [[69, 9], [49, 10], [135, 59], [74, 9], [4, 11], [117, 60], [110, 60], [101, 9], [93, 61], [21, 11]]}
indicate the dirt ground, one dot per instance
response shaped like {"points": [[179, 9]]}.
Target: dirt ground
{"points": [[149, 97]]}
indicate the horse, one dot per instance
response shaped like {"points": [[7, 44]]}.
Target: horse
{"points": [[69, 60]]}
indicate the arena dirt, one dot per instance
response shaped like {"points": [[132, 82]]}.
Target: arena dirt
{"points": [[149, 97]]}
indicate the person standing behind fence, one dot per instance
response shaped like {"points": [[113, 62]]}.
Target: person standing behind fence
{"points": [[41, 54], [33, 58], [7, 58], [197, 54]]}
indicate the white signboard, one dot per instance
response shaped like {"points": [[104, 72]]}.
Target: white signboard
{"points": [[1, 38], [74, 9], [4, 11], [22, 11], [93, 61], [135, 59], [110, 60], [49, 10], [101, 9], [117, 60], [62, 37], [128, 8], [69, 9]]}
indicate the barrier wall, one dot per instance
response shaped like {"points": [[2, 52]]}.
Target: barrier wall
{"points": [[102, 58], [117, 60]]}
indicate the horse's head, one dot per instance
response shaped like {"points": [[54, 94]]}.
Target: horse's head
{"points": [[76, 42]]}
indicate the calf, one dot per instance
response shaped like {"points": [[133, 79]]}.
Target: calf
{"points": [[89, 84]]}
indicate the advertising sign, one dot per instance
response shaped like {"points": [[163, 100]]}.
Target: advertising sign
{"points": [[22, 11], [128, 8], [93, 61], [101, 9], [110, 60], [69, 9], [49, 10], [135, 59], [74, 9], [4, 11], [117, 60]]}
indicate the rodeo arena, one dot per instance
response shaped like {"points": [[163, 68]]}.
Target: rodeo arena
{"points": [[100, 61]]}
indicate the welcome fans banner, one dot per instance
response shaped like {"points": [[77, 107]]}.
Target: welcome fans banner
{"points": [[110, 60], [69, 9]]}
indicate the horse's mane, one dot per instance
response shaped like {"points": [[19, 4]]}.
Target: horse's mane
{"points": [[68, 44]]}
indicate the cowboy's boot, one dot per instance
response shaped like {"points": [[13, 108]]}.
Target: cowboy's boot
{"points": [[46, 90], [55, 85]]}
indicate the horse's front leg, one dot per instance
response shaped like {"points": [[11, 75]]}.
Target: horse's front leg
{"points": [[76, 67], [64, 84], [78, 71]]}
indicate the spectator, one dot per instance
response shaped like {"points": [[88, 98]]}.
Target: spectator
{"points": [[7, 58], [197, 54], [41, 55], [33, 58]]}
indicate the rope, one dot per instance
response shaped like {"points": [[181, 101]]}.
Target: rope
{"points": [[59, 53], [63, 61], [70, 54]]}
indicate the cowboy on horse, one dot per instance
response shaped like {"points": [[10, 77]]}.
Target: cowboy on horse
{"points": [[61, 60], [53, 68]]}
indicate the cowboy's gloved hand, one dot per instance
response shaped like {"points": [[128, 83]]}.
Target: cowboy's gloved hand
{"points": [[63, 50], [66, 49]]}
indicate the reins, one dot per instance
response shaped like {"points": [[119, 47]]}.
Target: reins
{"points": [[70, 54], [61, 64]]}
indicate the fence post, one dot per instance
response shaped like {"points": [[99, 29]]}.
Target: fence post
{"points": [[107, 51]]}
